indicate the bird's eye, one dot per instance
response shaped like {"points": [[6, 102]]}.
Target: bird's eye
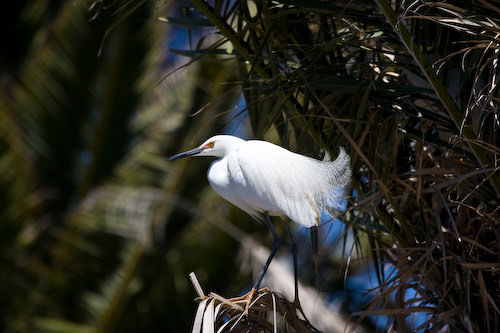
{"points": [[208, 145]]}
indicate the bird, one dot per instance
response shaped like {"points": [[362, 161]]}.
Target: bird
{"points": [[264, 179]]}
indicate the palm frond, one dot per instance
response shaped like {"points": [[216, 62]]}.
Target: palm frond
{"points": [[268, 312]]}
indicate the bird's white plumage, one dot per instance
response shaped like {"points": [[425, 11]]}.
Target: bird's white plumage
{"points": [[258, 176]]}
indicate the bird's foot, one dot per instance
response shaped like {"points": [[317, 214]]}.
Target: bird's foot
{"points": [[247, 298], [241, 298]]}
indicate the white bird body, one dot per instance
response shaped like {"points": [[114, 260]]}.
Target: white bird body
{"points": [[258, 177]]}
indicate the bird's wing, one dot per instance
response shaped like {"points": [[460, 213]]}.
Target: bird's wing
{"points": [[269, 178], [222, 183]]}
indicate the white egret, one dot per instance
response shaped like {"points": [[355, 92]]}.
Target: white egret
{"points": [[265, 179]]}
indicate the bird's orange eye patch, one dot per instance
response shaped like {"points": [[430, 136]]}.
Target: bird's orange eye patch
{"points": [[209, 145]]}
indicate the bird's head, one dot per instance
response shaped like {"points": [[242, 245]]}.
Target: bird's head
{"points": [[217, 146]]}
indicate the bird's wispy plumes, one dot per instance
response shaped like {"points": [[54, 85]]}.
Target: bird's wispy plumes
{"points": [[339, 183]]}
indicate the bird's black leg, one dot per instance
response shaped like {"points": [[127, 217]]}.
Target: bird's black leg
{"points": [[293, 248], [276, 245]]}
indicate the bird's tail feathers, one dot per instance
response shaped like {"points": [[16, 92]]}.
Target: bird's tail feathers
{"points": [[339, 183]]}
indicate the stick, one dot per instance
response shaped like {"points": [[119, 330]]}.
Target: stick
{"points": [[196, 285]]}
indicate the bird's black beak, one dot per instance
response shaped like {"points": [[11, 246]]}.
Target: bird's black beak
{"points": [[186, 153]]}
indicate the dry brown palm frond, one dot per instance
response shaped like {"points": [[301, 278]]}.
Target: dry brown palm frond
{"points": [[477, 44], [268, 312], [450, 264]]}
